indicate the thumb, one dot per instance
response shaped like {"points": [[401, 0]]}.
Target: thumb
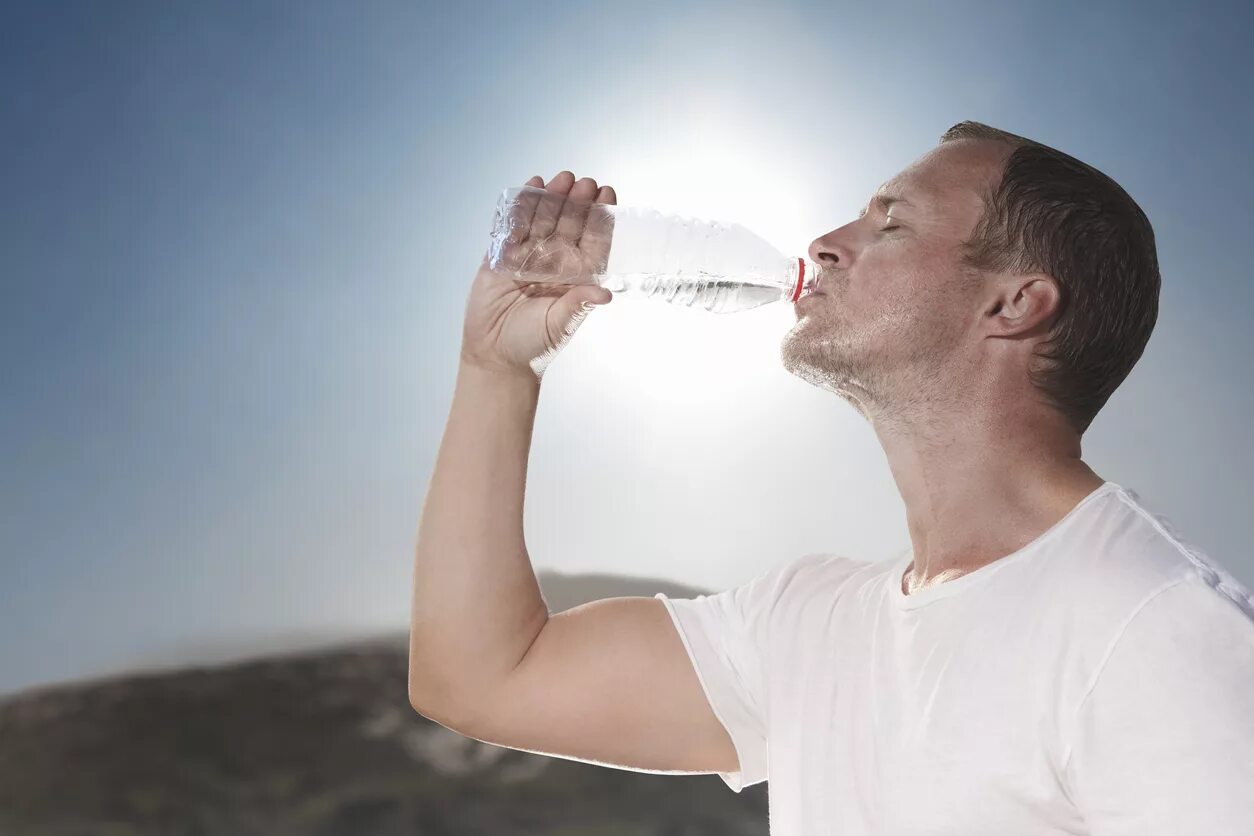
{"points": [[584, 298], [573, 307]]}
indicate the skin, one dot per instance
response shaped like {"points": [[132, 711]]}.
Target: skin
{"points": [[517, 326], [935, 356]]}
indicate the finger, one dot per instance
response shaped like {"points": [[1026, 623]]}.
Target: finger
{"points": [[575, 209], [562, 181], [523, 209], [598, 230], [545, 220], [511, 224]]}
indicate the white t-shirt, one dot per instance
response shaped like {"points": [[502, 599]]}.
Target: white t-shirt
{"points": [[1099, 680]]}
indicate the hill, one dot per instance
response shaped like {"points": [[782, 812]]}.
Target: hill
{"points": [[320, 742]]}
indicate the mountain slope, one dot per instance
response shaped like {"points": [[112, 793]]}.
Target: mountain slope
{"points": [[320, 742]]}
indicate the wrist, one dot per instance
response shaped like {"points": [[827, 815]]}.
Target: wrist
{"points": [[497, 375]]}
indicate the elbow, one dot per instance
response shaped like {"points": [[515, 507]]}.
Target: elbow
{"points": [[424, 683], [416, 698], [431, 700], [421, 689]]}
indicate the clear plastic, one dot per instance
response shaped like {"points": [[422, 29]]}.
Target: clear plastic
{"points": [[541, 237]]}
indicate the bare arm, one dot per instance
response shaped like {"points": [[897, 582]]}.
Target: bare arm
{"points": [[609, 681], [476, 604]]}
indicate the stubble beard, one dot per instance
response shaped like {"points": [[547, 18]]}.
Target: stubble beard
{"points": [[831, 354], [880, 368], [898, 363]]}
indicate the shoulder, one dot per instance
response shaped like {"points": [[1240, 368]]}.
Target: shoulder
{"points": [[1125, 584], [799, 595], [1160, 738], [770, 604], [823, 569], [791, 587], [1128, 554], [823, 576], [1188, 645]]}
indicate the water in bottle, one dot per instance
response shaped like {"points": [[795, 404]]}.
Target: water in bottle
{"points": [[539, 236]]}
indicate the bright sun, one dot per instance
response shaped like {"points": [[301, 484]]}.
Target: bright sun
{"points": [[718, 166]]}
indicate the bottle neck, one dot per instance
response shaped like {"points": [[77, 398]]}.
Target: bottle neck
{"points": [[803, 278]]}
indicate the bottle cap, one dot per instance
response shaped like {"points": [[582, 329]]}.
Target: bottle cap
{"points": [[801, 279], [807, 280]]}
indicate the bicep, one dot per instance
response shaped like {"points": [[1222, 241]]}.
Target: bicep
{"points": [[608, 682]]}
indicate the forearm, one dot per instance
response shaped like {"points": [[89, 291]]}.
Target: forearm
{"points": [[476, 606]]}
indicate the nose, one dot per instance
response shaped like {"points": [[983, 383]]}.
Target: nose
{"points": [[827, 252]]}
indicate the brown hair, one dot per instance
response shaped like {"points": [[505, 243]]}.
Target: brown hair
{"points": [[1053, 214]]}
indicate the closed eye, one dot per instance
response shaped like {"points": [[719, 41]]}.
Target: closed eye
{"points": [[887, 228]]}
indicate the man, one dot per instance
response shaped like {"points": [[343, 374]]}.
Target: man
{"points": [[1048, 657]]}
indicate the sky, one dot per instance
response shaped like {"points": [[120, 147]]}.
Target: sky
{"points": [[238, 238]]}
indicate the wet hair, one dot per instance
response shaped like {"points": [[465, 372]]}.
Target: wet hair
{"points": [[1051, 213]]}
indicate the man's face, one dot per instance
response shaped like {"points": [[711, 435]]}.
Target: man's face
{"points": [[896, 304]]}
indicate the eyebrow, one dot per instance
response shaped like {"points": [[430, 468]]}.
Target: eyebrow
{"points": [[885, 201]]}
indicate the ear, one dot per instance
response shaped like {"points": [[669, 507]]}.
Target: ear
{"points": [[1021, 305]]}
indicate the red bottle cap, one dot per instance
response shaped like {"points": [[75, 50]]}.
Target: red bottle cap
{"points": [[801, 277]]}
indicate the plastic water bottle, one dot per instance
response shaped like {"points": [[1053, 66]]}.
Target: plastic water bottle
{"points": [[542, 237]]}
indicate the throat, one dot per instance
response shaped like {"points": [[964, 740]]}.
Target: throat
{"points": [[911, 583]]}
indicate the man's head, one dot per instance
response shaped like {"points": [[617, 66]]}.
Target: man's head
{"points": [[990, 261]]}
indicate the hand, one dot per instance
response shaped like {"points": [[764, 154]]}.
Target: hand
{"points": [[519, 326]]}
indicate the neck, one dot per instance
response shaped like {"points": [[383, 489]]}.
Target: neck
{"points": [[979, 485]]}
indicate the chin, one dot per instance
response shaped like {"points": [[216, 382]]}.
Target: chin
{"points": [[825, 365]]}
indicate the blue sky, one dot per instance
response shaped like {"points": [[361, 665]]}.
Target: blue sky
{"points": [[238, 237]]}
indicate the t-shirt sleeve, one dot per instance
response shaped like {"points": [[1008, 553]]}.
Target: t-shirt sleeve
{"points": [[1164, 740], [726, 635]]}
